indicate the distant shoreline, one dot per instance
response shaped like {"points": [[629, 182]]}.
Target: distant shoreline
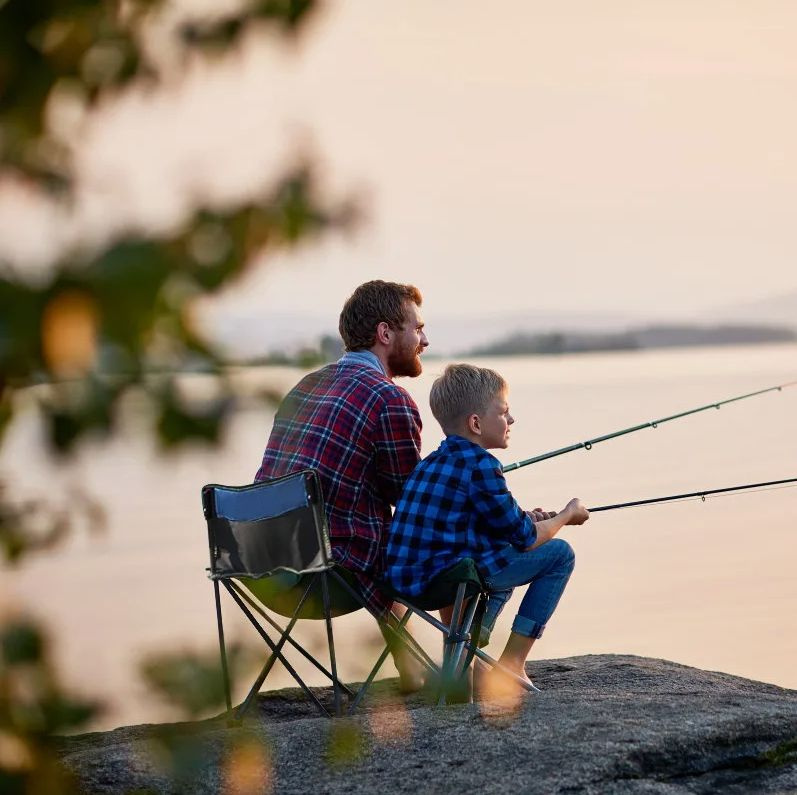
{"points": [[643, 338], [558, 342]]}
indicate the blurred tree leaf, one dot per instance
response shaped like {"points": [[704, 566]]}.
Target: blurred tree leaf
{"points": [[121, 320], [33, 525], [178, 422], [21, 643], [33, 708], [345, 743], [193, 681], [287, 15]]}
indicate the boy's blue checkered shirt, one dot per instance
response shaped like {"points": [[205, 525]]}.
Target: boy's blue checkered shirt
{"points": [[455, 505]]}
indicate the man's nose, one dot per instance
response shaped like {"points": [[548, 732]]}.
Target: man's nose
{"points": [[424, 340]]}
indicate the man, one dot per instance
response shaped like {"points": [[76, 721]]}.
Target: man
{"points": [[361, 432]]}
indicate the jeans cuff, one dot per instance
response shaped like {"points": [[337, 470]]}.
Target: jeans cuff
{"points": [[528, 627]]}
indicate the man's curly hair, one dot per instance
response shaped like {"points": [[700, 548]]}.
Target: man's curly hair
{"points": [[371, 304]]}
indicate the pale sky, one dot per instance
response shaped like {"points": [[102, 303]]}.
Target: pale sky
{"points": [[629, 156]]}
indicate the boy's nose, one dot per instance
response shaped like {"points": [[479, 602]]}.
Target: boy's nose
{"points": [[510, 420]]}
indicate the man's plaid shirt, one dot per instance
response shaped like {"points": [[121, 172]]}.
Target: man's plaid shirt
{"points": [[455, 505], [362, 433]]}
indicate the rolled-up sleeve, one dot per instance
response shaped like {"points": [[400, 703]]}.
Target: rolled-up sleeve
{"points": [[498, 511], [397, 444]]}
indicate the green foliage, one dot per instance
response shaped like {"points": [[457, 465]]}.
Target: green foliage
{"points": [[106, 320], [192, 681], [101, 325], [345, 743], [21, 643], [118, 320], [184, 752], [29, 526], [287, 15], [45, 45], [87, 49], [33, 708]]}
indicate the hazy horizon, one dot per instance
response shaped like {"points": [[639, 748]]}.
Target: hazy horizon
{"points": [[246, 335], [625, 159]]}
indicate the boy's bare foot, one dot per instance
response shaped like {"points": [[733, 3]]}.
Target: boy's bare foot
{"points": [[497, 685]]}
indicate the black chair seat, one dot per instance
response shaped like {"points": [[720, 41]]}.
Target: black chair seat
{"points": [[282, 591], [442, 589]]}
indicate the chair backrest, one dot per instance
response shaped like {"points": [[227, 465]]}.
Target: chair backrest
{"points": [[272, 525]]}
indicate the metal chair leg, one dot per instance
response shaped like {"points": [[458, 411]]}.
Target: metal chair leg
{"points": [[275, 655], [413, 646], [463, 632], [273, 646], [267, 618], [447, 669], [331, 642], [223, 651]]}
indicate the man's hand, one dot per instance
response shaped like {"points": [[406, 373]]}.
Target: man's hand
{"points": [[575, 512]]}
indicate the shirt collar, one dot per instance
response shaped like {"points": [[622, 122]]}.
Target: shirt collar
{"points": [[461, 443], [368, 358], [470, 450]]}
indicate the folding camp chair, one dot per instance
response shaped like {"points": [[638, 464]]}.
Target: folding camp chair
{"points": [[271, 537]]}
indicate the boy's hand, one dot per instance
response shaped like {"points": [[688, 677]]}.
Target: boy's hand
{"points": [[576, 512], [538, 515]]}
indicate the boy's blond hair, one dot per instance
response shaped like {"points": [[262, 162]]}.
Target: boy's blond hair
{"points": [[462, 390]]}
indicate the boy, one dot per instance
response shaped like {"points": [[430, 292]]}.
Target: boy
{"points": [[456, 505]]}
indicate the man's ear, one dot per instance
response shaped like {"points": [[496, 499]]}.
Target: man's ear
{"points": [[475, 424], [384, 333]]}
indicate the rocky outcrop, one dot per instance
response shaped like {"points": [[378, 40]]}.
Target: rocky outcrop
{"points": [[603, 724]]}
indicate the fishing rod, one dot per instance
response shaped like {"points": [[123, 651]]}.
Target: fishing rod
{"points": [[587, 445], [694, 494]]}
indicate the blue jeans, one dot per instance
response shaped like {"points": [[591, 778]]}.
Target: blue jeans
{"points": [[546, 569]]}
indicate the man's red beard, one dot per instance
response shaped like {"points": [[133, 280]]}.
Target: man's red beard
{"points": [[405, 362]]}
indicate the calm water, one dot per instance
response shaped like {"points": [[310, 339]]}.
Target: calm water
{"points": [[707, 584]]}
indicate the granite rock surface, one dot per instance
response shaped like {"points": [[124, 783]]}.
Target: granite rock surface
{"points": [[603, 724]]}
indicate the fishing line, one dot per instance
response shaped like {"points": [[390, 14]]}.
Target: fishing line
{"points": [[743, 494], [698, 494], [587, 445]]}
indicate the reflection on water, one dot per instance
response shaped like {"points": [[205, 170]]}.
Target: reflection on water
{"points": [[707, 584]]}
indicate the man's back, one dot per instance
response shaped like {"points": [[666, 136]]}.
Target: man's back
{"points": [[362, 433]]}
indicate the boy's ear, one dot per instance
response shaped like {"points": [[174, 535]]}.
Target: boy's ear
{"points": [[475, 424]]}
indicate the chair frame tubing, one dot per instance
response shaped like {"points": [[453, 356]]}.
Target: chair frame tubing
{"points": [[457, 639], [267, 618], [399, 632], [241, 599]]}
